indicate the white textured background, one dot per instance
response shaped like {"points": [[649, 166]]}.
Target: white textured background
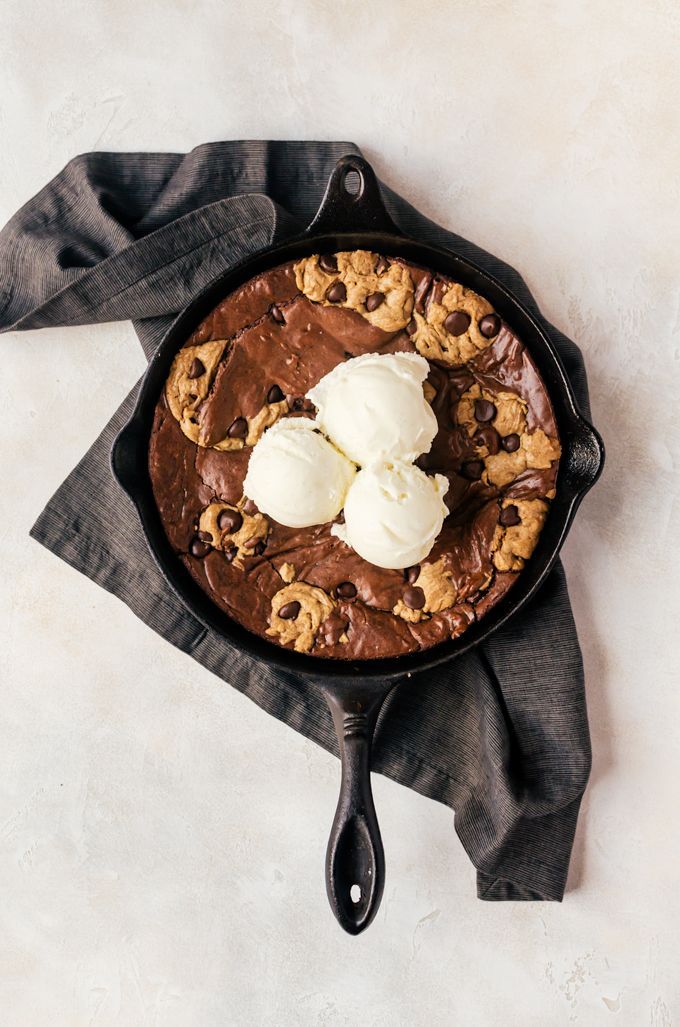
{"points": [[160, 865]]}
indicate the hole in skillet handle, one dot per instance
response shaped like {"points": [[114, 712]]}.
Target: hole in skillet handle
{"points": [[353, 183], [352, 201]]}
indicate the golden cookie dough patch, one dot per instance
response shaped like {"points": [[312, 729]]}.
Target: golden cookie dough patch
{"points": [[287, 572], [184, 393], [257, 425], [435, 342], [536, 449], [406, 613], [536, 452], [252, 529], [357, 272], [315, 607], [186, 389], [510, 417], [440, 593], [512, 546]]}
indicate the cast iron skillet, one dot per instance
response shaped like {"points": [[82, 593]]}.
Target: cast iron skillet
{"points": [[356, 689]]}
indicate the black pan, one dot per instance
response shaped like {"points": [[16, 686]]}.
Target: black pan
{"points": [[356, 690]]}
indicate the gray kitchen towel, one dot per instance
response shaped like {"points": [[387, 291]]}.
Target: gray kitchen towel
{"points": [[501, 734]]}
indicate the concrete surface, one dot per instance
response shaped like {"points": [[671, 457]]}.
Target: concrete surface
{"points": [[161, 866]]}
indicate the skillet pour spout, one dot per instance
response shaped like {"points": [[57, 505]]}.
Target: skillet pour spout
{"points": [[585, 457], [353, 215]]}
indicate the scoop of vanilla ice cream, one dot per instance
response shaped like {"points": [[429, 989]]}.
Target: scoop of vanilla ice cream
{"points": [[296, 476], [393, 514], [373, 408]]}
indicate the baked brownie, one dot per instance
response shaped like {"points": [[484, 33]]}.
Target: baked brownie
{"points": [[251, 362]]}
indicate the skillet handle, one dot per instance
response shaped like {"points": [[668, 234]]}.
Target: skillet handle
{"points": [[355, 861], [360, 211]]}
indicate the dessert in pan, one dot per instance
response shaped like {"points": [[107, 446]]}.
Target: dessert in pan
{"points": [[354, 457]]}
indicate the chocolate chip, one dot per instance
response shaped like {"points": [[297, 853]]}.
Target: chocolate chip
{"points": [[414, 597], [328, 262], [205, 536], [198, 548], [411, 574], [229, 520], [275, 395], [259, 549], [421, 292], [197, 368], [457, 322], [412, 327], [488, 437], [277, 314], [238, 429], [337, 293], [345, 590], [509, 516], [249, 507], [289, 611], [484, 410], [250, 543], [382, 265], [490, 325], [374, 300], [510, 443], [472, 469], [230, 553]]}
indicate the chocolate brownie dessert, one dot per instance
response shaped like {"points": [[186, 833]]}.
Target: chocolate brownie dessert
{"points": [[251, 363]]}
